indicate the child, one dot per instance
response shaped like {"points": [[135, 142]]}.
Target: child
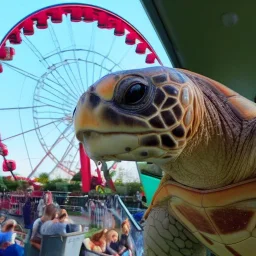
{"points": [[7, 240], [97, 243], [7, 233]]}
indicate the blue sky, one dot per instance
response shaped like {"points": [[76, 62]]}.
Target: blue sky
{"points": [[38, 88]]}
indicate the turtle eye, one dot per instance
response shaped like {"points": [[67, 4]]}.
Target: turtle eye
{"points": [[134, 94]]}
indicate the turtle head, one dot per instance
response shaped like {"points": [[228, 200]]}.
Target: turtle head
{"points": [[137, 115]]}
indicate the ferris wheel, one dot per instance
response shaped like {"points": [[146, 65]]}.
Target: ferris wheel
{"points": [[47, 61]]}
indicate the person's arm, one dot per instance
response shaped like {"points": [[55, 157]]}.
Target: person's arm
{"points": [[35, 241], [110, 250], [35, 229], [13, 238], [36, 245]]}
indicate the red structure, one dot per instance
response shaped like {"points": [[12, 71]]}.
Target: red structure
{"points": [[8, 165], [78, 13], [85, 169]]}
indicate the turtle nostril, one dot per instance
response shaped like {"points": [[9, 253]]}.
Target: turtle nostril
{"points": [[144, 153], [74, 112], [128, 149]]}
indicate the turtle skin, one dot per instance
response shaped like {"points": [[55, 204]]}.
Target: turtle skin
{"points": [[224, 220], [203, 136]]}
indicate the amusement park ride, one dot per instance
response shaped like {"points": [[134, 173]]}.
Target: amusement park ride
{"points": [[203, 38], [58, 89]]}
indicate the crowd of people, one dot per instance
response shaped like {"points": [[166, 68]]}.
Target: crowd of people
{"points": [[52, 222], [107, 241], [55, 221]]}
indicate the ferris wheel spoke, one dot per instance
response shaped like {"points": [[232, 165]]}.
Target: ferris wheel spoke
{"points": [[23, 108], [57, 96], [40, 56], [122, 58], [73, 160], [50, 118], [71, 71], [75, 95], [21, 71], [54, 128], [23, 135], [27, 74], [47, 112], [31, 130], [59, 103], [69, 148], [54, 89], [106, 56], [52, 106], [35, 51], [60, 137], [58, 48], [66, 136], [91, 50], [74, 48], [61, 132]]}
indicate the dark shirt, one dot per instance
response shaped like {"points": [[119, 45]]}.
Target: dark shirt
{"points": [[112, 248], [126, 241], [13, 250]]}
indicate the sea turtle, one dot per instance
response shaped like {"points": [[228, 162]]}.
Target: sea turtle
{"points": [[203, 136]]}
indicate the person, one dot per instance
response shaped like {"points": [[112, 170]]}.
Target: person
{"points": [[13, 250], [7, 233], [40, 207], [125, 242], [112, 245], [7, 240], [60, 225], [97, 243], [57, 226], [50, 213], [63, 216], [46, 200]]}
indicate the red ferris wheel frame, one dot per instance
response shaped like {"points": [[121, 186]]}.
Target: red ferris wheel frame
{"points": [[79, 13]]}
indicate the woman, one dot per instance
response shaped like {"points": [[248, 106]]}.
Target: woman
{"points": [[59, 226], [56, 226], [50, 213]]}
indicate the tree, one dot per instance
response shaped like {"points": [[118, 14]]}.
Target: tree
{"points": [[43, 178], [77, 177]]}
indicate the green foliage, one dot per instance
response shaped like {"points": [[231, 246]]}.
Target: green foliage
{"points": [[62, 185], [12, 185], [56, 185], [77, 177], [128, 189], [112, 174], [43, 178], [22, 185]]}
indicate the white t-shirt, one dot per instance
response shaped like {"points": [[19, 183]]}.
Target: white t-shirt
{"points": [[40, 207]]}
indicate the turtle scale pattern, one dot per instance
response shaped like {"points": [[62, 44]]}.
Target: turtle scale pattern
{"points": [[222, 218]]}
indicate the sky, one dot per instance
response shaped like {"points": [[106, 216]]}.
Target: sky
{"points": [[51, 70]]}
